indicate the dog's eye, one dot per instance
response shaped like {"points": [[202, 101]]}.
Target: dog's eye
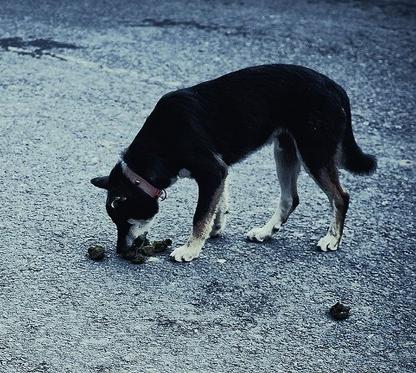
{"points": [[117, 201]]}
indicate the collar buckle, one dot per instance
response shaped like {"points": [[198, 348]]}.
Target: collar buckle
{"points": [[142, 184]]}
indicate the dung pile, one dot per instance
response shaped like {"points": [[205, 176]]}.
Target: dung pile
{"points": [[142, 248]]}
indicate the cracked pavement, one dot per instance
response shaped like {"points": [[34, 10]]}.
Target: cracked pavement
{"points": [[66, 113]]}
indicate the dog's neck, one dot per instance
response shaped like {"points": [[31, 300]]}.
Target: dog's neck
{"points": [[151, 166]]}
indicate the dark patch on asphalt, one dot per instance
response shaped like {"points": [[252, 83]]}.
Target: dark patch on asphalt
{"points": [[167, 22], [44, 44], [171, 22], [25, 47], [390, 8]]}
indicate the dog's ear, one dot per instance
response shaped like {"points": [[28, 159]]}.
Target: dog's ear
{"points": [[101, 182]]}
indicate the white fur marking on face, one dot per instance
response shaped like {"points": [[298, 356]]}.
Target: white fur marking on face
{"points": [[138, 227]]}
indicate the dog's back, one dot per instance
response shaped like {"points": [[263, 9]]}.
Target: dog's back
{"points": [[239, 112]]}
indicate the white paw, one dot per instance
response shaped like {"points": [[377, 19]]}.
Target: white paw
{"points": [[259, 234], [329, 242], [185, 253]]}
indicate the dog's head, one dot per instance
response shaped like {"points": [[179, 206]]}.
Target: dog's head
{"points": [[128, 207]]}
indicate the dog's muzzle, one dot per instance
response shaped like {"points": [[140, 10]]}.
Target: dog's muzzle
{"points": [[123, 230]]}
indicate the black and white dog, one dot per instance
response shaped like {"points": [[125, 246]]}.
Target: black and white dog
{"points": [[202, 130]]}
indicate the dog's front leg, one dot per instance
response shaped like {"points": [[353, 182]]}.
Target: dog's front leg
{"points": [[210, 190]]}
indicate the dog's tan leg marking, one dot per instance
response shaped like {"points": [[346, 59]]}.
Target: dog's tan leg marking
{"points": [[200, 231], [288, 168], [220, 219], [329, 182]]}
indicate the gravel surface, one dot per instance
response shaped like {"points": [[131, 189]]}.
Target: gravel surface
{"points": [[74, 91]]}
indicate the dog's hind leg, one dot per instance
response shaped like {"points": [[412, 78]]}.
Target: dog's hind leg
{"points": [[288, 168], [328, 180], [221, 214], [318, 136]]}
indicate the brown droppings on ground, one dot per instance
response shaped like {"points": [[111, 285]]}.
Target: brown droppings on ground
{"points": [[156, 247], [96, 252], [339, 311], [142, 247], [138, 259]]}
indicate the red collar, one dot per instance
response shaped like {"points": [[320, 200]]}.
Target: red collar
{"points": [[141, 183]]}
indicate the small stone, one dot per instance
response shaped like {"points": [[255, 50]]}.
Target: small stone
{"points": [[153, 259], [405, 162], [96, 252], [339, 311]]}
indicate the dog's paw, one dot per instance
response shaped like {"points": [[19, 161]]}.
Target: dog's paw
{"points": [[259, 234], [185, 253], [329, 242], [216, 230]]}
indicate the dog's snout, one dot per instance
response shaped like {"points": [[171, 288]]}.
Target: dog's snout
{"points": [[122, 237]]}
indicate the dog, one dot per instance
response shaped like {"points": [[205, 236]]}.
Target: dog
{"points": [[201, 131]]}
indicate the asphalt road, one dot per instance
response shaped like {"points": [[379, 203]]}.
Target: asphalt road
{"points": [[69, 105]]}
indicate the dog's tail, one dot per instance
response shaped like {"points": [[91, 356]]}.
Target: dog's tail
{"points": [[353, 158]]}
